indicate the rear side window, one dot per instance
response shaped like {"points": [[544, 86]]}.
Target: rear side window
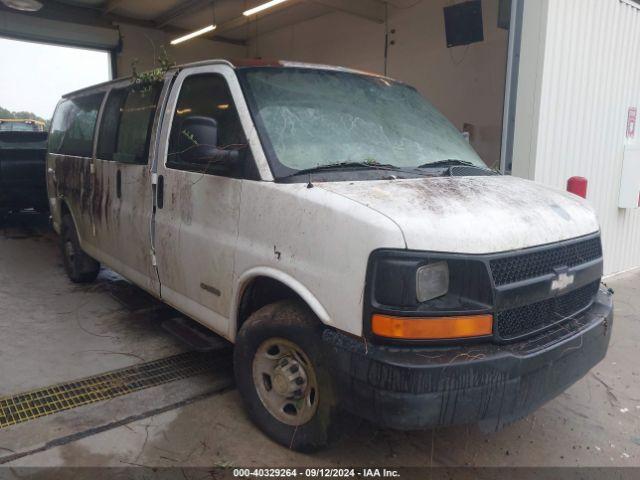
{"points": [[125, 130], [74, 124], [109, 124]]}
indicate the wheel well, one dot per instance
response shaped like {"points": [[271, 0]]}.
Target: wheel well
{"points": [[260, 292], [64, 209]]}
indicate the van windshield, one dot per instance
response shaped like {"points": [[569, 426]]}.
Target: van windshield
{"points": [[310, 118]]}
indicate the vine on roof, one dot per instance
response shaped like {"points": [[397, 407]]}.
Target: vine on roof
{"points": [[144, 81]]}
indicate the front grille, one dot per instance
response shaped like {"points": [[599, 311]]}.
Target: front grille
{"points": [[515, 323], [515, 268]]}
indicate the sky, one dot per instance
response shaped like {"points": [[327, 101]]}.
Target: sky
{"points": [[33, 76]]}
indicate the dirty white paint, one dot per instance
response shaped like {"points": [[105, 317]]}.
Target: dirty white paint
{"points": [[197, 230], [473, 214], [577, 86], [320, 239], [322, 236]]}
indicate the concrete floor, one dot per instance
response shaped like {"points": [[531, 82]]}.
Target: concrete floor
{"points": [[53, 331]]}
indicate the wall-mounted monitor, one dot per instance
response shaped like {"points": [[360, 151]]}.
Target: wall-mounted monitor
{"points": [[463, 23]]}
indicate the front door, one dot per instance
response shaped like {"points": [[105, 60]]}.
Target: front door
{"points": [[196, 221]]}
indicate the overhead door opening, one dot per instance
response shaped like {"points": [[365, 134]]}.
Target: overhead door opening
{"points": [[35, 75]]}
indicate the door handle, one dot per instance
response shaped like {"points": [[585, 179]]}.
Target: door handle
{"points": [[160, 192], [119, 184]]}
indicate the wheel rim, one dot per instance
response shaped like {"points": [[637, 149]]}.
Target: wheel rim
{"points": [[285, 381]]}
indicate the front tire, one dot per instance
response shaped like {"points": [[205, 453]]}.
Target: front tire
{"points": [[283, 378], [80, 267]]}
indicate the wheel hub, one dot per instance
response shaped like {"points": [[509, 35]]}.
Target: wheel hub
{"points": [[285, 381], [289, 378]]}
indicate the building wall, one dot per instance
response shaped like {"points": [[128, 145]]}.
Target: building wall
{"points": [[465, 83], [529, 87], [144, 45], [589, 77]]}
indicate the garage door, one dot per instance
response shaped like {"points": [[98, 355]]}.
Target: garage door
{"points": [[53, 31]]}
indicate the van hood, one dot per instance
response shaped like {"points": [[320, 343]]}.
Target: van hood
{"points": [[473, 215]]}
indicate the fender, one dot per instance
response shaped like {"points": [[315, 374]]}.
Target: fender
{"points": [[283, 278], [55, 208], [62, 204], [61, 201]]}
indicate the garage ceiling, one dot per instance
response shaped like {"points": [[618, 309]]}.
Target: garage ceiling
{"points": [[181, 16]]}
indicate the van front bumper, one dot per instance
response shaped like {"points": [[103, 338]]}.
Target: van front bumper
{"points": [[413, 388]]}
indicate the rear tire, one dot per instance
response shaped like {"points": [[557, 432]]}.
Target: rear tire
{"points": [[80, 267], [283, 378]]}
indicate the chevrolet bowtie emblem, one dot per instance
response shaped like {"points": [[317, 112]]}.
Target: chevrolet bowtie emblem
{"points": [[562, 281]]}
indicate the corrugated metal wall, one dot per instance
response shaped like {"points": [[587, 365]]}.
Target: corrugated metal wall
{"points": [[590, 78]]}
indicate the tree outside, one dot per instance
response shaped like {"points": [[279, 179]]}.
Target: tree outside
{"points": [[4, 113]]}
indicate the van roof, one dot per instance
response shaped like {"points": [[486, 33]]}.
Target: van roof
{"points": [[239, 64]]}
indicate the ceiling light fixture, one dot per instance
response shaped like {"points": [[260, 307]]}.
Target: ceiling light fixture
{"points": [[264, 6], [23, 5], [191, 35]]}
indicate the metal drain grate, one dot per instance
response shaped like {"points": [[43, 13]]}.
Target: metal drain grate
{"points": [[65, 396]]}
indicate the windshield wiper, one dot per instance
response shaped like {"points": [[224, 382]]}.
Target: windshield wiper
{"points": [[346, 165], [450, 163]]}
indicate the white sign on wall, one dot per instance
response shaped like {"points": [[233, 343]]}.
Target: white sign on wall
{"points": [[630, 180]]}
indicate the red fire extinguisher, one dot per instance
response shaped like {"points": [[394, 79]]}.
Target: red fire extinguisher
{"points": [[577, 186]]}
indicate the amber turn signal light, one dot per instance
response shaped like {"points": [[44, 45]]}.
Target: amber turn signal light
{"points": [[432, 328]]}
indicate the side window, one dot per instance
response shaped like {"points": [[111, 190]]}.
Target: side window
{"points": [[109, 124], [74, 124], [206, 128], [125, 130]]}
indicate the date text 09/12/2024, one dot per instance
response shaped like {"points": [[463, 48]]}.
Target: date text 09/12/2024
{"points": [[315, 473]]}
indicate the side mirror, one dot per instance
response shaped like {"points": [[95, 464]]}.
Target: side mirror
{"points": [[198, 146]]}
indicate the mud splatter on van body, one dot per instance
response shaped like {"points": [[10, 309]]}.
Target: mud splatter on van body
{"points": [[521, 214]]}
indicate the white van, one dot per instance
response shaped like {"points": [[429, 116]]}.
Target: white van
{"points": [[342, 233]]}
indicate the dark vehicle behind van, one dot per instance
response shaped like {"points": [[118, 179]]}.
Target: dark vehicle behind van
{"points": [[23, 148]]}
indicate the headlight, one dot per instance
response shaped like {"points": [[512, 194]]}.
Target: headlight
{"points": [[432, 281], [401, 281], [425, 296]]}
